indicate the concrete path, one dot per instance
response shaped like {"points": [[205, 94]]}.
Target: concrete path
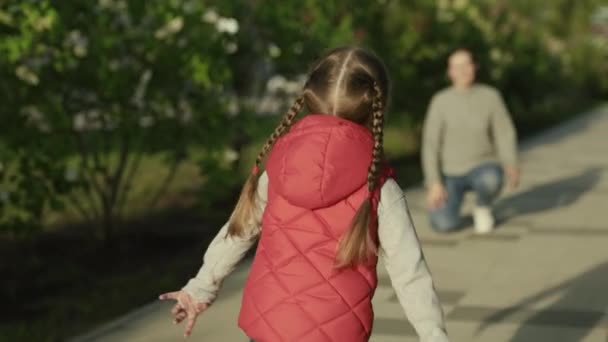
{"points": [[542, 276]]}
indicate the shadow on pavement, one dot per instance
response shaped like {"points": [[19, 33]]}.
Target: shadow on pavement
{"points": [[548, 196], [588, 287]]}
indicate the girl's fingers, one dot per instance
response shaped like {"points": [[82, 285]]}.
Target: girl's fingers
{"points": [[176, 309], [191, 320], [169, 295], [184, 300], [179, 317], [184, 309]]}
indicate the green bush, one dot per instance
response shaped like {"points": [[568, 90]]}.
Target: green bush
{"points": [[95, 90]]}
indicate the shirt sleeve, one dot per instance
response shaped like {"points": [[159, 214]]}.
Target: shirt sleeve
{"points": [[503, 132], [225, 252], [431, 143], [406, 266]]}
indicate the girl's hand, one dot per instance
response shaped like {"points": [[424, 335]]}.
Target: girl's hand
{"points": [[185, 308]]}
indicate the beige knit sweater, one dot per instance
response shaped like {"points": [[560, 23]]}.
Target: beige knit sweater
{"points": [[465, 128]]}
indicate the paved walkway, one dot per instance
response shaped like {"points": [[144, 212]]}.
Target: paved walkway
{"points": [[543, 276]]}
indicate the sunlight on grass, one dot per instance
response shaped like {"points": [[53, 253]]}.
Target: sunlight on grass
{"points": [[182, 192], [400, 141]]}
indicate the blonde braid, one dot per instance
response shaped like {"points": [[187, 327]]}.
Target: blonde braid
{"points": [[378, 133], [283, 126], [357, 245], [240, 221]]}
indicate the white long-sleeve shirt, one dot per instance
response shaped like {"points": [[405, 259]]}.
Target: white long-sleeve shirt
{"points": [[399, 249]]}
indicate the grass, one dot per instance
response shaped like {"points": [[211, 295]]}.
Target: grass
{"points": [[63, 283], [183, 191]]}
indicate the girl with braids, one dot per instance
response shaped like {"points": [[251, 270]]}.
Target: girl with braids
{"points": [[324, 209]]}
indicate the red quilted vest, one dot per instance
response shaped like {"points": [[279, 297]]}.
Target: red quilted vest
{"points": [[317, 179]]}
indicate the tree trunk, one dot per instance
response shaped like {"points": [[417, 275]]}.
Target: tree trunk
{"points": [[107, 223]]}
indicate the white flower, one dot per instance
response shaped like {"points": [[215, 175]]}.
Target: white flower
{"points": [[36, 118], [113, 65], [292, 87], [233, 106], [5, 196], [274, 51], [175, 25], [32, 113], [191, 6], [169, 112], [74, 36], [112, 4], [186, 111], [93, 114], [279, 83], [27, 75], [302, 78], [105, 3], [79, 122], [146, 121], [142, 87], [89, 120], [276, 83], [495, 54], [71, 174], [172, 27], [80, 51], [227, 25], [210, 16], [230, 155], [44, 23], [161, 33], [231, 48], [78, 43]]}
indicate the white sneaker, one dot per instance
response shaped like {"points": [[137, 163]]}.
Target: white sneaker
{"points": [[483, 219]]}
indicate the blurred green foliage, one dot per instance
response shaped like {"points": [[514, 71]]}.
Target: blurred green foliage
{"points": [[91, 89]]}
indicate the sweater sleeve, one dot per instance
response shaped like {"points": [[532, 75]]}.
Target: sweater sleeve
{"points": [[404, 260], [225, 252], [503, 131], [431, 143]]}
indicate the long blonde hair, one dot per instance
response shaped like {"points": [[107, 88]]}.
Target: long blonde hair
{"points": [[353, 84]]}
